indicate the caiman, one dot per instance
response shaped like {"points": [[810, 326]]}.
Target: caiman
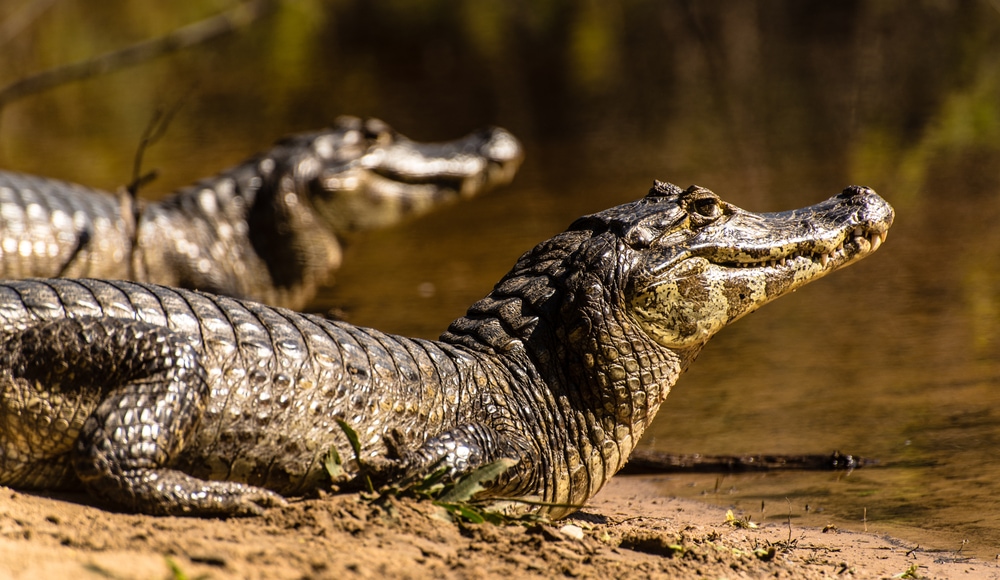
{"points": [[170, 401], [270, 229]]}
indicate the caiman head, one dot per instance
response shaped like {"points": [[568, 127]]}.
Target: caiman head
{"points": [[365, 175], [703, 263], [679, 265], [315, 189], [609, 313]]}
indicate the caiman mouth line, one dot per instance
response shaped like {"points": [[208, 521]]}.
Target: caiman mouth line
{"points": [[466, 183], [859, 236], [491, 155]]}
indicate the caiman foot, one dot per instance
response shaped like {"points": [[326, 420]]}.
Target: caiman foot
{"points": [[172, 493]]}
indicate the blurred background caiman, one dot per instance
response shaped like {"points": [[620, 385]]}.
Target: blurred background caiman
{"points": [[270, 229]]}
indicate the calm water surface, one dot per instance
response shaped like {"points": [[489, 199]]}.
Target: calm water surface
{"points": [[772, 105]]}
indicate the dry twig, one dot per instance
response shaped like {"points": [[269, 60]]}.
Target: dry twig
{"points": [[184, 37]]}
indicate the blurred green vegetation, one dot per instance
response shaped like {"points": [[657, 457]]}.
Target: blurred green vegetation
{"points": [[766, 92]]}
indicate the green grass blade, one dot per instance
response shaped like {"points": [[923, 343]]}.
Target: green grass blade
{"points": [[471, 484], [333, 464], [352, 437]]}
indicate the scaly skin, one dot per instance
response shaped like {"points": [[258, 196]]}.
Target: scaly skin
{"points": [[270, 229], [177, 402]]}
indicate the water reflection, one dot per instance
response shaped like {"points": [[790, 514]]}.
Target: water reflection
{"points": [[772, 105]]}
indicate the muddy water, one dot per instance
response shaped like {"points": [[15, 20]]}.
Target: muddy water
{"points": [[771, 105]]}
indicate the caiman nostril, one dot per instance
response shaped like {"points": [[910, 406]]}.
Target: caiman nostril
{"points": [[500, 146], [855, 190]]}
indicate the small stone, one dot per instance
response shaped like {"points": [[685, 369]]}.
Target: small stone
{"points": [[572, 531]]}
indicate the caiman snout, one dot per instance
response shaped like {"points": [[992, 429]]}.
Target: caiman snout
{"points": [[500, 146], [872, 210], [855, 190], [503, 153], [396, 177]]}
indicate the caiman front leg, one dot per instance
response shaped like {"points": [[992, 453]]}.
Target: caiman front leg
{"points": [[147, 389], [468, 447]]}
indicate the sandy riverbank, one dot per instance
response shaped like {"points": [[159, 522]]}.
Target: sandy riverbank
{"points": [[626, 529]]}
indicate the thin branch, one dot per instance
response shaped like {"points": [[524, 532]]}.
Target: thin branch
{"points": [[184, 37], [131, 209], [153, 132]]}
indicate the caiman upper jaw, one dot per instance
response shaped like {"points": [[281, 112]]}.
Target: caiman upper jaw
{"points": [[859, 237], [504, 154], [838, 231], [489, 156]]}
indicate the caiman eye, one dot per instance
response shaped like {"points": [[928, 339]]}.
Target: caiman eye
{"points": [[708, 207]]}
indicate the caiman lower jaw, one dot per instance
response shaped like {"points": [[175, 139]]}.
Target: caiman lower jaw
{"points": [[481, 160], [501, 173], [465, 179], [863, 243]]}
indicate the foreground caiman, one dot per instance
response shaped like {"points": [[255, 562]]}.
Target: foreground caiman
{"points": [[177, 402], [270, 229]]}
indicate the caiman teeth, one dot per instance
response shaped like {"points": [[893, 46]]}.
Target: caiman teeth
{"points": [[874, 239]]}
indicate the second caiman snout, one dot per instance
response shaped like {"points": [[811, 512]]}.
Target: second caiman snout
{"points": [[714, 262], [396, 177]]}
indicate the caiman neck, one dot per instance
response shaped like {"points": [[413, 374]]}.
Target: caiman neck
{"points": [[251, 226], [572, 325]]}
